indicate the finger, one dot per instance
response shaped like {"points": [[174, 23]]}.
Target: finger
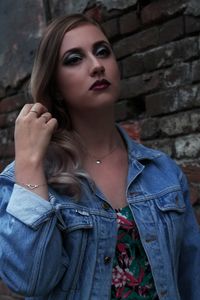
{"points": [[37, 110], [46, 117], [52, 124], [25, 110]]}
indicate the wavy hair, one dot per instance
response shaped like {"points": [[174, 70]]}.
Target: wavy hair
{"points": [[63, 161]]}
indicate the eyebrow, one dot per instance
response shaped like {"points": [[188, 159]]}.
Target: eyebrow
{"points": [[79, 49]]}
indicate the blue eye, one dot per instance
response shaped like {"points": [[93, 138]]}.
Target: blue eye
{"points": [[72, 59], [103, 51]]}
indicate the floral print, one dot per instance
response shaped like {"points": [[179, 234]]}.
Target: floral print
{"points": [[131, 276]]}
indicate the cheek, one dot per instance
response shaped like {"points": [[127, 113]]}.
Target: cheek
{"points": [[65, 83]]}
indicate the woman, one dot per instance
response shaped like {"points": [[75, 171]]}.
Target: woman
{"points": [[86, 212]]}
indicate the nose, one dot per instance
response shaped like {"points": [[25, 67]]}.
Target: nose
{"points": [[97, 67]]}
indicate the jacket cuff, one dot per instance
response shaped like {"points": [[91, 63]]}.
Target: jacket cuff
{"points": [[28, 207]]}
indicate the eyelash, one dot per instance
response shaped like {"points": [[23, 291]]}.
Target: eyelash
{"points": [[74, 59]]}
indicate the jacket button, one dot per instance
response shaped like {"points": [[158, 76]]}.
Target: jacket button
{"points": [[163, 293], [105, 206], [107, 260]]}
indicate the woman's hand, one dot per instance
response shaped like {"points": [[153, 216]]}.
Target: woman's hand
{"points": [[33, 130]]}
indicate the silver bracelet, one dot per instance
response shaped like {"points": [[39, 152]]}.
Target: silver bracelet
{"points": [[31, 186]]}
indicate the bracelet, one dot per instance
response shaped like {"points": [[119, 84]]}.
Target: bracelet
{"points": [[31, 186]]}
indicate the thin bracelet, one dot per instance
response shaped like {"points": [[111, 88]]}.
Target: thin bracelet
{"points": [[30, 185]]}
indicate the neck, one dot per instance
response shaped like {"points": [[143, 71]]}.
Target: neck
{"points": [[97, 131]]}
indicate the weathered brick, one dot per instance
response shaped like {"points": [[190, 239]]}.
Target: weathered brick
{"points": [[172, 30], [132, 65], [111, 28], [178, 75], [196, 71], [161, 10], [129, 22], [6, 135], [8, 120], [161, 102], [179, 124], [164, 145], [187, 146], [19, 38], [149, 128], [137, 42], [12, 103], [139, 85], [171, 53], [192, 24], [172, 100], [189, 96]]}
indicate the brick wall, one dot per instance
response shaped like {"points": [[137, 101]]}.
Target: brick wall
{"points": [[157, 45]]}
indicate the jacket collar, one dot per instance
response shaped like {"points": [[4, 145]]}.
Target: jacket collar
{"points": [[137, 151]]}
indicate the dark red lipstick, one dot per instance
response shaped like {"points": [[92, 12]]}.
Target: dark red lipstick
{"points": [[100, 85]]}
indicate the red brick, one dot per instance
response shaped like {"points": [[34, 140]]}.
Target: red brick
{"points": [[172, 30], [95, 13], [133, 129], [192, 171]]}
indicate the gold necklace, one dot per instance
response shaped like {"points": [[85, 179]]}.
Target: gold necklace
{"points": [[99, 160]]}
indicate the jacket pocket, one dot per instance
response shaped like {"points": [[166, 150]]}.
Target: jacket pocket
{"points": [[172, 203], [77, 227]]}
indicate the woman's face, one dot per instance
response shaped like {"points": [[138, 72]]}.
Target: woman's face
{"points": [[87, 72]]}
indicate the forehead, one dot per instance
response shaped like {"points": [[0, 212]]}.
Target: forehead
{"points": [[82, 36]]}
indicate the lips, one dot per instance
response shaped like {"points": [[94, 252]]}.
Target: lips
{"points": [[100, 85]]}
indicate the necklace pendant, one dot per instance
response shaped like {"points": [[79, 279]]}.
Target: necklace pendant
{"points": [[98, 161]]}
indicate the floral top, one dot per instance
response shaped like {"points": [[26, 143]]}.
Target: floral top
{"points": [[131, 276]]}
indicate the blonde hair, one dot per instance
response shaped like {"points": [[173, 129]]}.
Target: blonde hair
{"points": [[63, 162]]}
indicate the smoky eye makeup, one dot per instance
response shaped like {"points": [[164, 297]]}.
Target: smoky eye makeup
{"points": [[102, 50], [72, 58]]}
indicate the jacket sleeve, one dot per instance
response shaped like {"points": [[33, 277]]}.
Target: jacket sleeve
{"points": [[189, 265], [32, 259]]}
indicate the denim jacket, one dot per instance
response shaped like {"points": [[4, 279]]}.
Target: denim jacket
{"points": [[62, 249]]}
